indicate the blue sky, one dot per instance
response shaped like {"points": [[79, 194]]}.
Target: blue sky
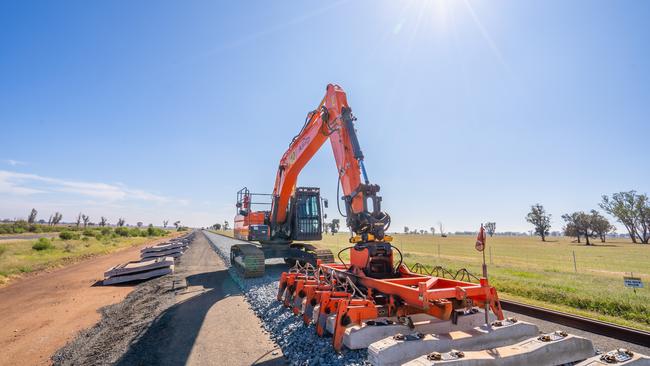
{"points": [[467, 111]]}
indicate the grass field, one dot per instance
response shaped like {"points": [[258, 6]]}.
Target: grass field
{"points": [[542, 273], [17, 257]]}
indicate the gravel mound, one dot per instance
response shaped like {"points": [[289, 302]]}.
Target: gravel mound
{"points": [[120, 325], [123, 324], [300, 344]]}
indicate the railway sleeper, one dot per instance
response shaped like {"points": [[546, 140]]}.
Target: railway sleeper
{"points": [[557, 348], [398, 349]]}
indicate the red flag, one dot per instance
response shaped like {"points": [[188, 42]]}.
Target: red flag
{"points": [[480, 240]]}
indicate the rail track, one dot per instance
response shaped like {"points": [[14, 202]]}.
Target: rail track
{"points": [[262, 294], [619, 332], [610, 330]]}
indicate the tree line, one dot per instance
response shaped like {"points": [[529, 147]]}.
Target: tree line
{"points": [[32, 223], [629, 208]]}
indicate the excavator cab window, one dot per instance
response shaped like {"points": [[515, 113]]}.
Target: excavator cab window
{"points": [[307, 223]]}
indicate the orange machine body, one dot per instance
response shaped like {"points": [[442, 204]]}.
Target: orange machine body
{"points": [[244, 224]]}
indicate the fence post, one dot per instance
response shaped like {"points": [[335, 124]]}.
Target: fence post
{"points": [[575, 267]]}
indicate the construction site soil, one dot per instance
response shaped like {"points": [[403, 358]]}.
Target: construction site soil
{"points": [[42, 311], [197, 316], [205, 314]]}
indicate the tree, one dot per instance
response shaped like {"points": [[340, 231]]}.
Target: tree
{"points": [[85, 219], [165, 222], [139, 224], [226, 225], [103, 221], [120, 222], [32, 216], [406, 229], [570, 228], [178, 223], [540, 220], [579, 224], [79, 220], [217, 226], [633, 211], [589, 225], [490, 227], [49, 221], [57, 218], [433, 230], [334, 226], [601, 225]]}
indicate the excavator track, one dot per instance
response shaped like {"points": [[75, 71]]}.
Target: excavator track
{"points": [[247, 259], [324, 255]]}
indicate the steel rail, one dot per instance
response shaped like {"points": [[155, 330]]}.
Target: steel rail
{"points": [[615, 331]]}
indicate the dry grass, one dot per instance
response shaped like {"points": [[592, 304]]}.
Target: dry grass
{"points": [[17, 257]]}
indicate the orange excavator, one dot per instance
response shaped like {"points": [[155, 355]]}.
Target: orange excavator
{"points": [[372, 288], [295, 214]]}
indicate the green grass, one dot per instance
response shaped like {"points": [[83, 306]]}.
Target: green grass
{"points": [[541, 273], [18, 257]]}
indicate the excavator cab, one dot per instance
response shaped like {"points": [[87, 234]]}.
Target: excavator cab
{"points": [[307, 218]]}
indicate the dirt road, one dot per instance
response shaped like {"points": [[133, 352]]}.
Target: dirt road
{"points": [[197, 316], [27, 236], [40, 313], [209, 324]]}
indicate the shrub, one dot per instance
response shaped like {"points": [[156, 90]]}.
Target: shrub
{"points": [[89, 232], [21, 224], [106, 231], [42, 244], [122, 231], [68, 248], [69, 235], [154, 231]]}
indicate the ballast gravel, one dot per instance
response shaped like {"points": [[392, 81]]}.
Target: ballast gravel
{"points": [[300, 344]]}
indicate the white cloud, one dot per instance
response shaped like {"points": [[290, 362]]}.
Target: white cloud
{"points": [[15, 162], [22, 184]]}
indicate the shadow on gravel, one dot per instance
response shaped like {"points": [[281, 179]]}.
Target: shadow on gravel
{"points": [[170, 337]]}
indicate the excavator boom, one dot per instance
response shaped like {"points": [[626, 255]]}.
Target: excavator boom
{"points": [[332, 120]]}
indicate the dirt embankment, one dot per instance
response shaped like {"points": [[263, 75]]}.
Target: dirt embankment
{"points": [[197, 316], [42, 312]]}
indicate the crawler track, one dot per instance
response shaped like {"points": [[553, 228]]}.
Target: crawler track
{"points": [[574, 321]]}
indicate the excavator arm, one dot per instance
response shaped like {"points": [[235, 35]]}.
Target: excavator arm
{"points": [[332, 120]]}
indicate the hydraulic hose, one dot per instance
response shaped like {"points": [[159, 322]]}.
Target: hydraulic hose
{"points": [[339, 254], [401, 257]]}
